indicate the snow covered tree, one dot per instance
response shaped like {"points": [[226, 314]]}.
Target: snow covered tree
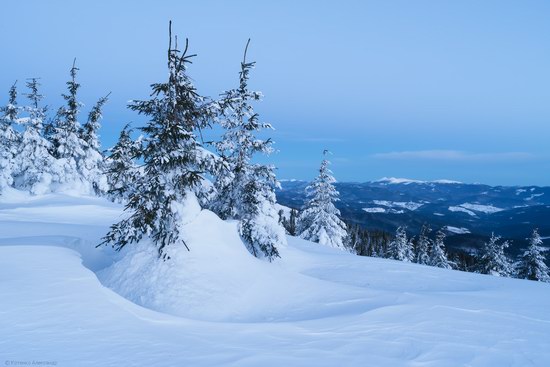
{"points": [[36, 167], [173, 161], [122, 170], [423, 244], [400, 248], [289, 224], [9, 138], [493, 259], [259, 226], [532, 264], [92, 163], [438, 256], [67, 145], [246, 190], [319, 220]]}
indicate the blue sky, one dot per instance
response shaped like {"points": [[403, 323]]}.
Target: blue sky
{"points": [[419, 89]]}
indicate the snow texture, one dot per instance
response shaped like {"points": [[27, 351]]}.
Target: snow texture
{"points": [[316, 306]]}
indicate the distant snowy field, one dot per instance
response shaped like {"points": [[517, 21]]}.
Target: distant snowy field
{"points": [[217, 305]]}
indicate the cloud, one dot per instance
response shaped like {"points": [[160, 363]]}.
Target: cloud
{"points": [[319, 140], [455, 155]]}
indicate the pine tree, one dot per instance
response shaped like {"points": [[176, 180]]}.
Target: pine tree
{"points": [[9, 139], [319, 220], [92, 164], [292, 222], [247, 193], [173, 161], [289, 223], [532, 264], [122, 170], [67, 145], [438, 256], [36, 167], [423, 245], [259, 227], [400, 248], [493, 259]]}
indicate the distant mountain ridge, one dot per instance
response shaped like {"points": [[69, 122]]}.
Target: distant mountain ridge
{"points": [[468, 212]]}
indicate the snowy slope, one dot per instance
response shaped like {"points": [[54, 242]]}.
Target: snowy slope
{"points": [[315, 307]]}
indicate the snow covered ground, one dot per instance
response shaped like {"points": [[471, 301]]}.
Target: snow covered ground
{"points": [[314, 307], [457, 230]]}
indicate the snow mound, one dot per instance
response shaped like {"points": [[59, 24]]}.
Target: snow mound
{"points": [[217, 279]]}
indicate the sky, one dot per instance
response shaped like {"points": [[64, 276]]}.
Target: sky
{"points": [[419, 89]]}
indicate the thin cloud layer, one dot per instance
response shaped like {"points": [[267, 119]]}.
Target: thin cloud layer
{"points": [[456, 155]]}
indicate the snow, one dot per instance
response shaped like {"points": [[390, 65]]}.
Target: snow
{"points": [[488, 209], [409, 205], [391, 205], [461, 209], [286, 210], [375, 210], [406, 181], [315, 306], [469, 209], [534, 196], [457, 230]]}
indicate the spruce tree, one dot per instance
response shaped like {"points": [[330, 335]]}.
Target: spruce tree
{"points": [[259, 228], [36, 167], [400, 248], [423, 245], [9, 138], [173, 161], [246, 190], [493, 259], [438, 256], [122, 170], [319, 220], [92, 163], [67, 145], [532, 263], [292, 222]]}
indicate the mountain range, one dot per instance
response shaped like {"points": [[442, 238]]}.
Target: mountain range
{"points": [[468, 213]]}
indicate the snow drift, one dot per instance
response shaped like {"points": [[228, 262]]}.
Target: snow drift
{"points": [[221, 306]]}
